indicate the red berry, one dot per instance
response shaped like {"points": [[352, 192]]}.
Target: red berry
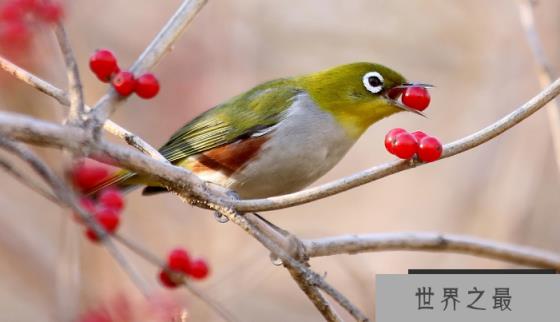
{"points": [[12, 11], [111, 198], [166, 280], [416, 97], [199, 269], [179, 260], [405, 146], [15, 35], [49, 11], [124, 83], [85, 177], [394, 93], [107, 218], [27, 4], [390, 138], [147, 86], [418, 135], [104, 64], [430, 149]]}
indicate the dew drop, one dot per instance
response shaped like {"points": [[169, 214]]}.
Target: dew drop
{"points": [[220, 218], [276, 261]]}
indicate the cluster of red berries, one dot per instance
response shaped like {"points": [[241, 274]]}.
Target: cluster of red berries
{"points": [[405, 145], [179, 261], [103, 64], [106, 208], [17, 16], [416, 97]]}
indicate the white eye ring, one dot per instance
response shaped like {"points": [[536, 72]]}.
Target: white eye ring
{"points": [[373, 88]]}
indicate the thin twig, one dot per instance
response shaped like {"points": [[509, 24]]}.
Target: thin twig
{"points": [[76, 114], [161, 44], [315, 295], [34, 81], [426, 241], [545, 71]]}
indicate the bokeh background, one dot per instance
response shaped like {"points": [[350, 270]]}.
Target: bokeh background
{"points": [[473, 51]]}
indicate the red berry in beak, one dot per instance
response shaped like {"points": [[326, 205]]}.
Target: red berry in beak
{"points": [[416, 97], [394, 93], [429, 149]]}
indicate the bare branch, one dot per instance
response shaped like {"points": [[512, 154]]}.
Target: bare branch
{"points": [[77, 110], [545, 71], [34, 81], [161, 44], [320, 302], [424, 241]]}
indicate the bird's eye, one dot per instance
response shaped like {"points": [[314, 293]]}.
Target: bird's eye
{"points": [[373, 82]]}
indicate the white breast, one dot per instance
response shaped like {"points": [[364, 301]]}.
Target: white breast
{"points": [[305, 145]]}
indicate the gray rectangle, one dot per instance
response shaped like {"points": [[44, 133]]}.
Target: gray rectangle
{"points": [[509, 297]]}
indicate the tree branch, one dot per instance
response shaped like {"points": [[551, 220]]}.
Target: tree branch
{"points": [[77, 111], [425, 241]]}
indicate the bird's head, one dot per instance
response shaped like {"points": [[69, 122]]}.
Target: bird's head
{"points": [[357, 94]]}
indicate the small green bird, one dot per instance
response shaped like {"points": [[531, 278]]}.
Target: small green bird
{"points": [[281, 136]]}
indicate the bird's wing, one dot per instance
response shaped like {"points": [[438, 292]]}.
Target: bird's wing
{"points": [[242, 116]]}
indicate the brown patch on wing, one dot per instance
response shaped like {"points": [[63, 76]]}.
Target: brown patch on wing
{"points": [[228, 158]]}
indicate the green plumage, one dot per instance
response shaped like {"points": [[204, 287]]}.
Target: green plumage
{"points": [[255, 110]]}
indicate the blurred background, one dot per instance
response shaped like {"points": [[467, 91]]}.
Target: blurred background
{"points": [[475, 53]]}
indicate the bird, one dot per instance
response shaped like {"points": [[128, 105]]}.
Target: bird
{"points": [[282, 135]]}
